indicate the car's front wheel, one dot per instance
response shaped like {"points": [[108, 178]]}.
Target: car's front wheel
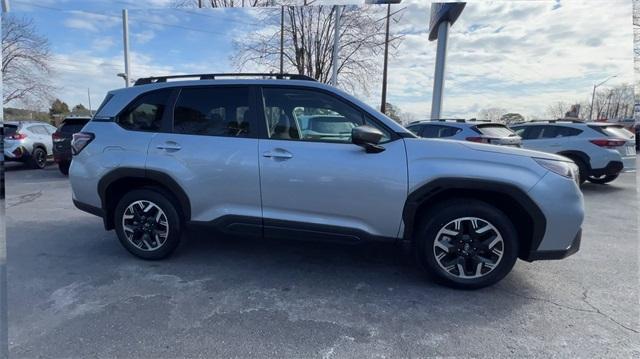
{"points": [[466, 244], [148, 224]]}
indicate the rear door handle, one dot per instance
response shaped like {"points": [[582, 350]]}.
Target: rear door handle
{"points": [[278, 153], [169, 146]]}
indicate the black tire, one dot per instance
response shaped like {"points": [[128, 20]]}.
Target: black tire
{"points": [[602, 179], [172, 218], [443, 214], [583, 169], [38, 158], [63, 166]]}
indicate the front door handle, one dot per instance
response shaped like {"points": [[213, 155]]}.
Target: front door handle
{"points": [[278, 153], [169, 146]]}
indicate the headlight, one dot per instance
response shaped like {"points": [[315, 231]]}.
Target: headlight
{"points": [[565, 169]]}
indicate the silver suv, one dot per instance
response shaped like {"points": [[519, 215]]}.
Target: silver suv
{"points": [[600, 150], [28, 142], [285, 156]]}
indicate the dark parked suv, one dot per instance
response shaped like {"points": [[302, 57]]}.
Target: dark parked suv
{"points": [[62, 141]]}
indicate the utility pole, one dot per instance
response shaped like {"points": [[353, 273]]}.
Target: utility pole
{"points": [[443, 15], [336, 45], [125, 35], [593, 96], [89, 95], [383, 105], [282, 39], [4, 332]]}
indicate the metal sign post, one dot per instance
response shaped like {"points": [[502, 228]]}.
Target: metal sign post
{"points": [[443, 15]]}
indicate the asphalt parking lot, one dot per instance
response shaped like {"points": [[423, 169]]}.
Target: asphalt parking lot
{"points": [[75, 292]]}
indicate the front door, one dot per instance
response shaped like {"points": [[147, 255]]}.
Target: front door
{"points": [[315, 183]]}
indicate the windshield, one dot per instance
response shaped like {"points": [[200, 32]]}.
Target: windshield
{"points": [[495, 130], [73, 125], [615, 131], [10, 130]]}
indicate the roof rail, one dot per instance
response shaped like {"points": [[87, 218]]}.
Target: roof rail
{"points": [[570, 120], [279, 76]]}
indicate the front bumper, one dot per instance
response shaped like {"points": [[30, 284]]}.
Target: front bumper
{"points": [[557, 254], [562, 204]]}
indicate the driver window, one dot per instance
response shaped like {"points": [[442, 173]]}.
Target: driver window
{"points": [[307, 115]]}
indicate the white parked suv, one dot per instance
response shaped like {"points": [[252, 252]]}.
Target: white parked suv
{"points": [[463, 130], [601, 150]]}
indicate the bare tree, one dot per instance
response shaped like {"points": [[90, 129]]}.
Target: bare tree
{"points": [[223, 3], [308, 43], [636, 45], [557, 110], [26, 57], [493, 114]]}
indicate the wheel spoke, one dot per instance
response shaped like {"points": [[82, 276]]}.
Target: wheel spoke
{"points": [[468, 247]]}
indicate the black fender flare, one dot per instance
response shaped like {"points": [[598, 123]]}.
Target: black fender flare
{"points": [[36, 145], [577, 154], [437, 186], [156, 176]]}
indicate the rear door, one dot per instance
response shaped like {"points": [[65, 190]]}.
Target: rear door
{"points": [[326, 187], [210, 149]]}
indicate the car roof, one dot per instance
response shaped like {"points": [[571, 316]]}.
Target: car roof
{"points": [[123, 96]]}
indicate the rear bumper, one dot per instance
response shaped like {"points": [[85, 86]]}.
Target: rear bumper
{"points": [[557, 254], [17, 153], [611, 169]]}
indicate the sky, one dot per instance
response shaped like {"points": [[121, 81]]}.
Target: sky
{"points": [[518, 55]]}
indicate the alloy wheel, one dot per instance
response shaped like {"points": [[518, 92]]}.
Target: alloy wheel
{"points": [[145, 225], [468, 247]]}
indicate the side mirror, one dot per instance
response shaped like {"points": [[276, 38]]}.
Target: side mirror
{"points": [[367, 137]]}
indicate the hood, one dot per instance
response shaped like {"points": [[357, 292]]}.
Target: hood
{"points": [[514, 151]]}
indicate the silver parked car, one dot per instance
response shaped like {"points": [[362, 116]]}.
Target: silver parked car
{"points": [[601, 150], [463, 130], [233, 155], [29, 142]]}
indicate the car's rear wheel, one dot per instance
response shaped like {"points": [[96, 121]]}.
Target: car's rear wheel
{"points": [[602, 179], [466, 244], [64, 167], [148, 224], [38, 158]]}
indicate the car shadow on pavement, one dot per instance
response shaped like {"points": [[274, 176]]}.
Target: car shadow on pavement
{"points": [[601, 188]]}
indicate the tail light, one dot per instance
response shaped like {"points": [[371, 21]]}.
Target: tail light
{"points": [[80, 141], [18, 136], [57, 137], [608, 143], [478, 139]]}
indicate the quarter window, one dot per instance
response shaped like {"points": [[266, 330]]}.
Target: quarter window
{"points": [[297, 114], [145, 114], [212, 111]]}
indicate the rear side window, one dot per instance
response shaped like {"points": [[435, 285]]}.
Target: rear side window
{"points": [[614, 131], [73, 125], [39, 130], [104, 102], [530, 132], [439, 131], [145, 113], [495, 130], [213, 111]]}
